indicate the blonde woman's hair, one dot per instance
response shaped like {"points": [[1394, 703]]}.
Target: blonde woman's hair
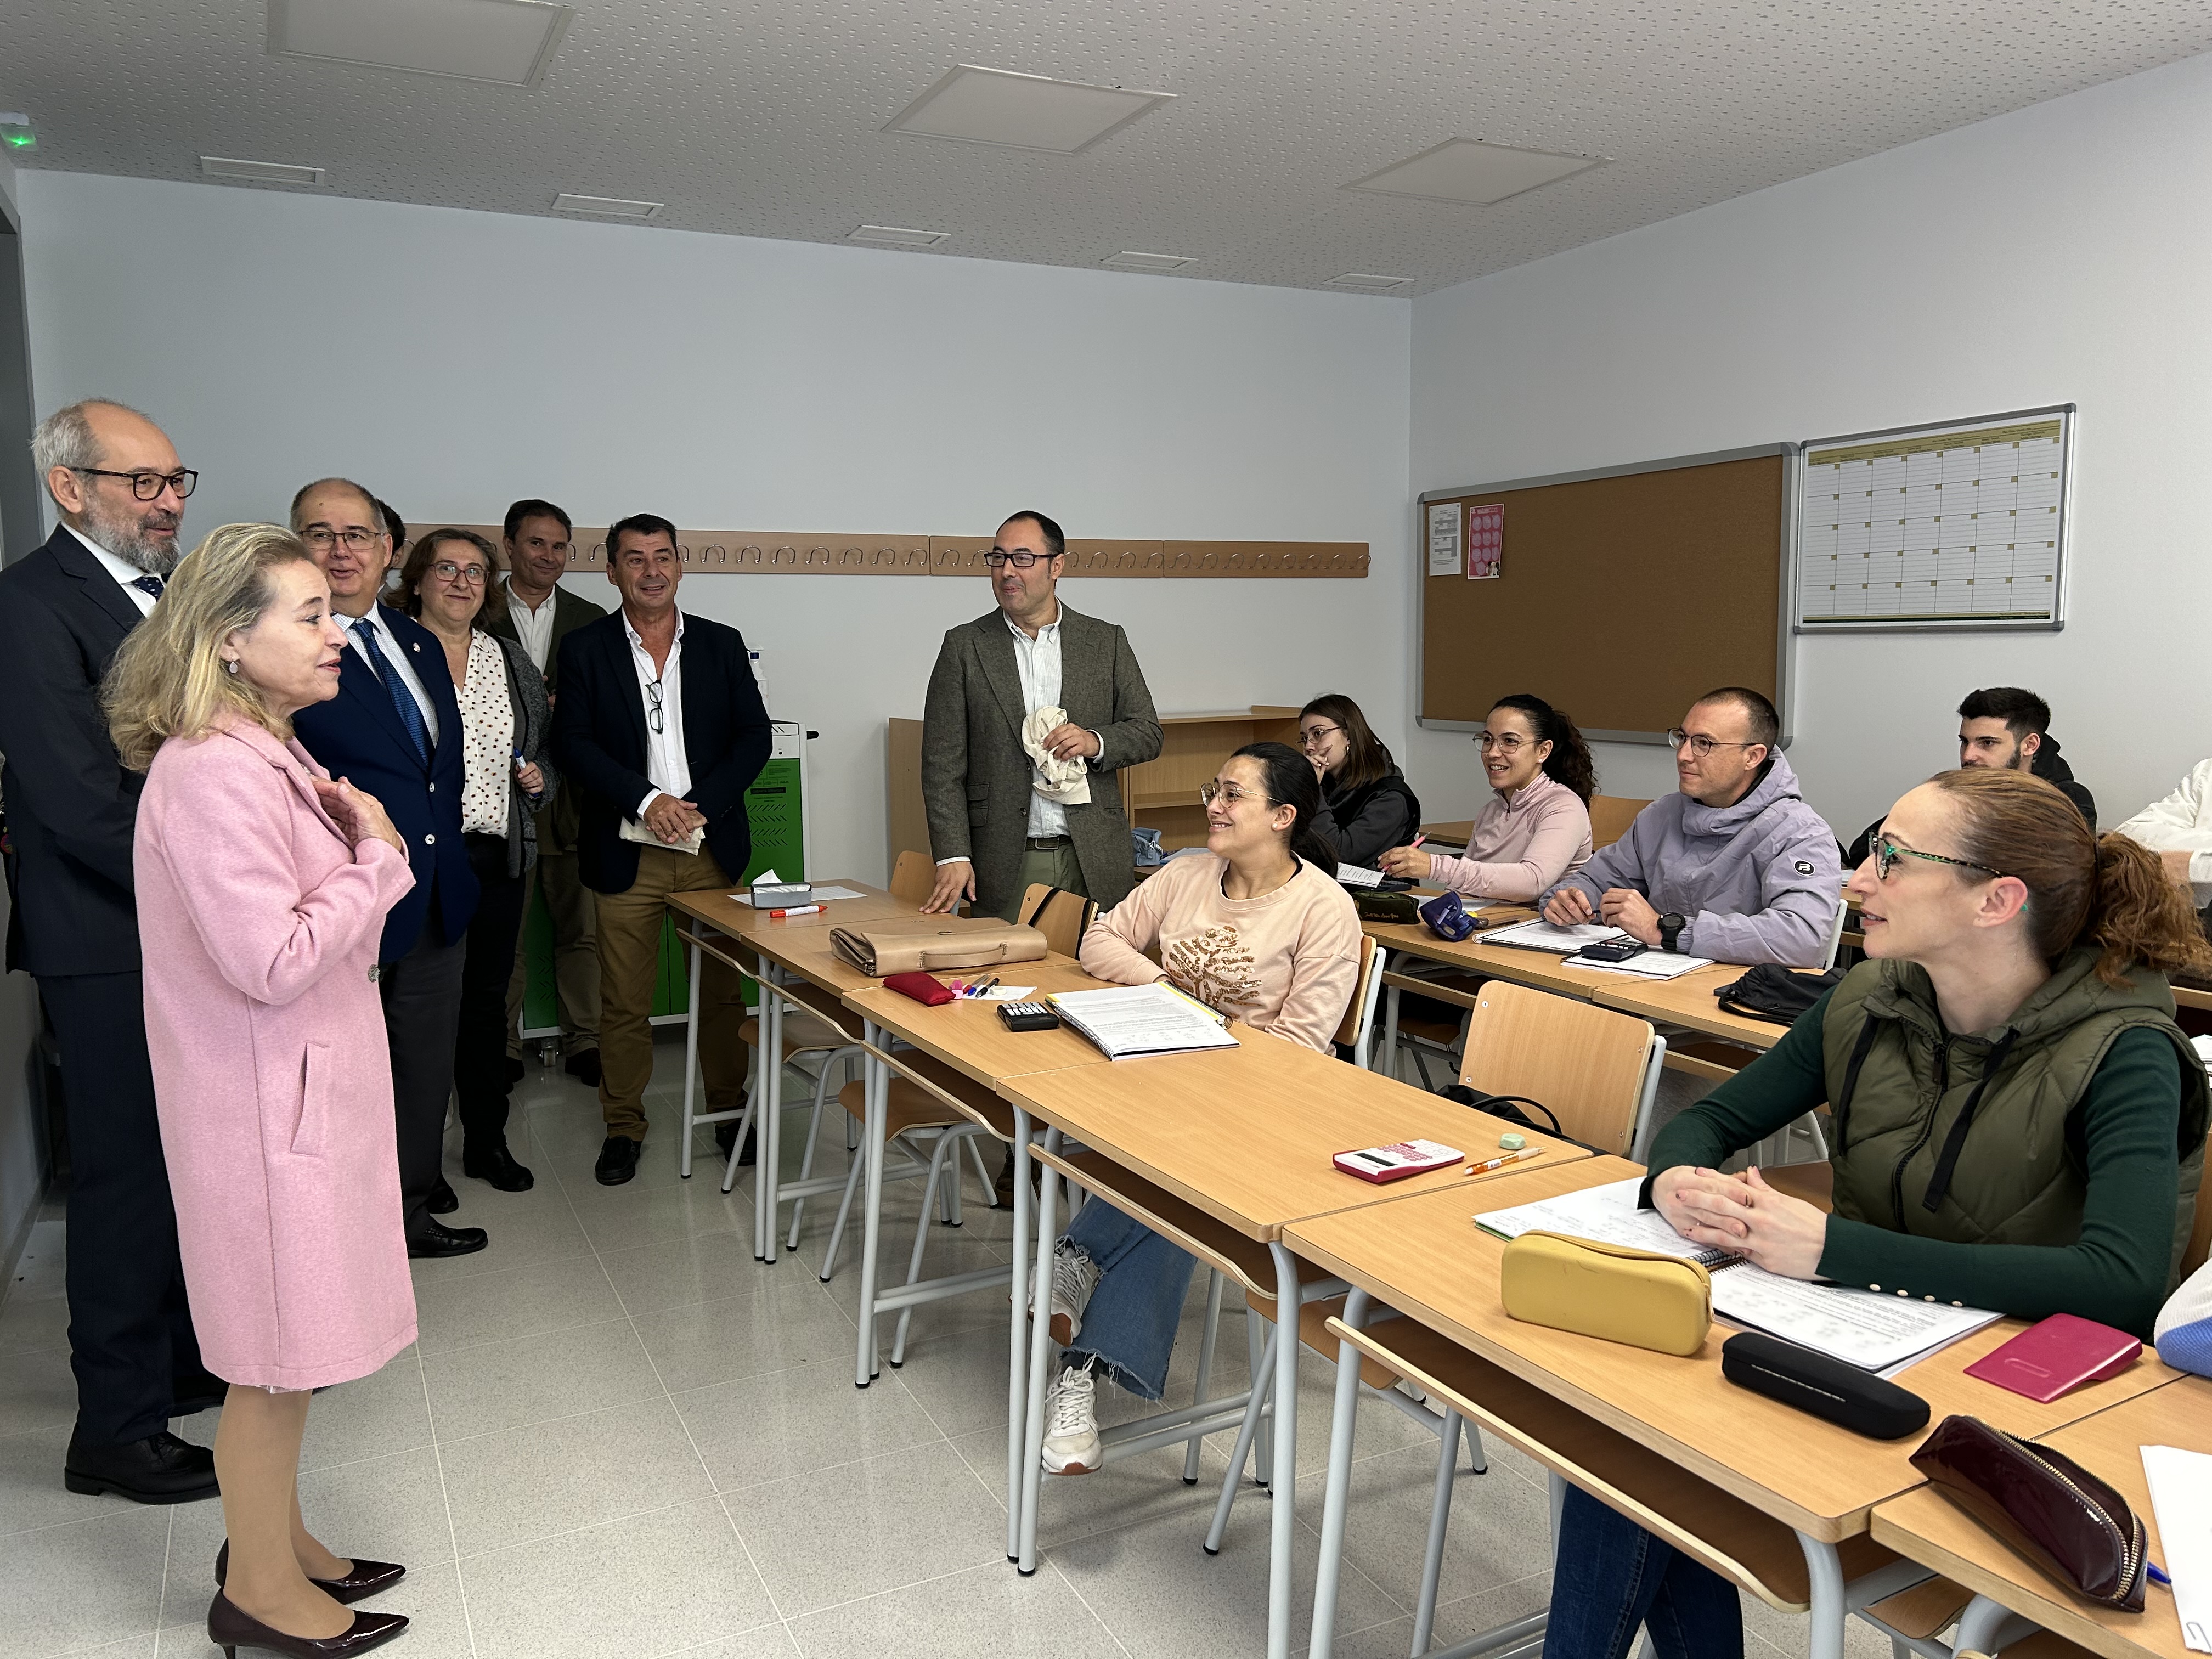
{"points": [[168, 680]]}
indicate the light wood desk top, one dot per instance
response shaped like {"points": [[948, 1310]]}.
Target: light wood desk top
{"points": [[1688, 1001], [1541, 968], [1426, 1258], [1929, 1529], [724, 913], [1246, 1134], [968, 1036]]}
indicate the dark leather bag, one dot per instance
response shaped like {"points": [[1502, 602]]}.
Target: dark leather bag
{"points": [[2046, 1506]]}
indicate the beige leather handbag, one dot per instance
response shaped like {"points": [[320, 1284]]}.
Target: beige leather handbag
{"points": [[924, 945]]}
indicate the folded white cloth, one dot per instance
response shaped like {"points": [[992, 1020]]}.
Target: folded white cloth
{"points": [[1067, 781]]}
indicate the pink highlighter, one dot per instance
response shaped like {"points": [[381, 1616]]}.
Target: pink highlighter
{"points": [[2057, 1355]]}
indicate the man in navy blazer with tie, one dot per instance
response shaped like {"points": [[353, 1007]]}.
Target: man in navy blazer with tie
{"points": [[394, 729]]}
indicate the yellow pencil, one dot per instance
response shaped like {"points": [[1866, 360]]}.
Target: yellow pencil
{"points": [[1500, 1162]]}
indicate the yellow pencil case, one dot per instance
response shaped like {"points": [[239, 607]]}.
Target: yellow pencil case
{"points": [[1609, 1290]]}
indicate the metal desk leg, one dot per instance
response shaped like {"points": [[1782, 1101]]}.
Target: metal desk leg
{"points": [[1284, 1489], [1337, 1495], [690, 1068], [878, 1092], [1987, 1627], [1389, 1026], [1017, 1338], [1032, 1455], [769, 1106], [1829, 1609]]}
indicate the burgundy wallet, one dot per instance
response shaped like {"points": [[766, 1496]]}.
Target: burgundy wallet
{"points": [[923, 987]]}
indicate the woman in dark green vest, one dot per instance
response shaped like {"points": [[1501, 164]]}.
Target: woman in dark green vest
{"points": [[2018, 1124]]}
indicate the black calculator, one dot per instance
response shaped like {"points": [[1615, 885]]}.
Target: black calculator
{"points": [[1612, 950], [1028, 1017]]}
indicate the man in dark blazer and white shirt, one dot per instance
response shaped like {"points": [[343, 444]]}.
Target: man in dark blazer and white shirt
{"points": [[660, 730], [65, 609], [991, 832], [394, 729]]}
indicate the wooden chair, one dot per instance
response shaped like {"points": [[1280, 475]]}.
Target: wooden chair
{"points": [[1596, 1069], [1061, 916], [1610, 817], [914, 879], [1357, 1031]]}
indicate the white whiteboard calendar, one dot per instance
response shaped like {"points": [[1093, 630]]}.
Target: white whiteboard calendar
{"points": [[1962, 526]]}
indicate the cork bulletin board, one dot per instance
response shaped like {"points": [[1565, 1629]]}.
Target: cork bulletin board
{"points": [[1617, 595]]}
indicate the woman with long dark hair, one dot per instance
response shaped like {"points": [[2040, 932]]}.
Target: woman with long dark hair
{"points": [[1536, 830], [2019, 1126], [1258, 929], [1367, 804]]}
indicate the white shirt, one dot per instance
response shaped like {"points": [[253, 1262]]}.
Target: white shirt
{"points": [[534, 628], [396, 654], [487, 737], [667, 768], [125, 573]]}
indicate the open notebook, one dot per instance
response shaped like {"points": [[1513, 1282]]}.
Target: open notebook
{"points": [[1878, 1333], [1129, 1020]]}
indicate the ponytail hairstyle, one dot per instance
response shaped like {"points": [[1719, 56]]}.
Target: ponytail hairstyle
{"points": [[1569, 760], [1366, 758], [1291, 783], [2107, 891]]}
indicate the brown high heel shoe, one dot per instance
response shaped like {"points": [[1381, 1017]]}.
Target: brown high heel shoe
{"points": [[367, 1579], [231, 1630]]}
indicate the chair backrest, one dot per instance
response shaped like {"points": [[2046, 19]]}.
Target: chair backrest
{"points": [[1595, 1068], [1359, 1024], [1610, 817], [914, 879], [1836, 931], [1061, 916]]}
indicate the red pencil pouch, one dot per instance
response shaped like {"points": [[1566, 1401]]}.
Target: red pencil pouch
{"points": [[926, 988]]}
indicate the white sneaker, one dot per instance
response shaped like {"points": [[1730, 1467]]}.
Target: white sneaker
{"points": [[1070, 1425], [1074, 1276]]}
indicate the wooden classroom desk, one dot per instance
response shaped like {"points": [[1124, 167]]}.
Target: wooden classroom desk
{"points": [[1926, 1527], [1688, 1002], [969, 1036], [1425, 1257], [1246, 1136], [1541, 968]]}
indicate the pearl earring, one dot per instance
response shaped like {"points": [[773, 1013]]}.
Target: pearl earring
{"points": [[230, 665]]}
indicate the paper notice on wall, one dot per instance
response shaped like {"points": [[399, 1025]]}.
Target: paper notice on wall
{"points": [[1444, 523], [1485, 542]]}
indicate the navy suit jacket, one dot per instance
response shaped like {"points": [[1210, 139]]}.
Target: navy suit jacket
{"points": [[72, 808], [358, 736], [598, 743]]}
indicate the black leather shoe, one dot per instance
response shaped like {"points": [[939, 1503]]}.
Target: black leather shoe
{"points": [[367, 1579], [584, 1066], [159, 1469], [726, 1136], [617, 1160], [496, 1165], [433, 1240], [231, 1630], [442, 1200]]}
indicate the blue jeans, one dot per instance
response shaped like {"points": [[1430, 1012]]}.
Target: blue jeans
{"points": [[1611, 1576], [1129, 1327]]}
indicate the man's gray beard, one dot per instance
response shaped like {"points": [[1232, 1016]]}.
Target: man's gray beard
{"points": [[131, 547]]}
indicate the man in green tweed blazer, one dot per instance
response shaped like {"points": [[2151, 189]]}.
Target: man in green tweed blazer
{"points": [[991, 831]]}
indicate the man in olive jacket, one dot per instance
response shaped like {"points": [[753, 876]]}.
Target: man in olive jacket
{"points": [[992, 831]]}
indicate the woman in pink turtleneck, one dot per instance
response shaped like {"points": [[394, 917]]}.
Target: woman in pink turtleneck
{"points": [[1537, 828]]}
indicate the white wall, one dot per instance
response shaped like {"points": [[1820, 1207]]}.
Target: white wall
{"points": [[2056, 254], [455, 360]]}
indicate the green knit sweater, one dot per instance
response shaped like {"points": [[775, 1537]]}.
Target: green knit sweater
{"points": [[2122, 1134]]}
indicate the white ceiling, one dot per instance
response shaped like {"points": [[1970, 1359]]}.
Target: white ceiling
{"points": [[764, 121]]}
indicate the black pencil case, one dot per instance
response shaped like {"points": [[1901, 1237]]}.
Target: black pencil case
{"points": [[1824, 1387]]}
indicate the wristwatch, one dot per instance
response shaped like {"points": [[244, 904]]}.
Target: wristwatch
{"points": [[1670, 930]]}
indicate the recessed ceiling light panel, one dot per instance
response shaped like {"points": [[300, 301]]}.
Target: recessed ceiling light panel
{"points": [[1022, 112], [898, 236], [612, 207], [1130, 260], [265, 173], [1367, 283], [1467, 170], [509, 42]]}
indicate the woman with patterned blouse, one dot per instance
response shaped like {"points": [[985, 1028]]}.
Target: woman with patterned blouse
{"points": [[450, 585], [1257, 928]]}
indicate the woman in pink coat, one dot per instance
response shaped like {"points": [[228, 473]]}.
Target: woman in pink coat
{"points": [[261, 892]]}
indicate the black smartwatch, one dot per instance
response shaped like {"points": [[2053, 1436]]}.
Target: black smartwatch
{"points": [[1670, 930]]}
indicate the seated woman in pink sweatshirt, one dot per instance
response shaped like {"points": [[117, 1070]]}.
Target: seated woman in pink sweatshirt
{"points": [[1259, 930], [1537, 828]]}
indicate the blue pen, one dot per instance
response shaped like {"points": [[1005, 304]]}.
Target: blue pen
{"points": [[2158, 1576]]}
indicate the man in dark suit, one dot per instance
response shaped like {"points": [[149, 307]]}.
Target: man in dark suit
{"points": [[660, 728], [64, 610], [540, 613], [394, 729]]}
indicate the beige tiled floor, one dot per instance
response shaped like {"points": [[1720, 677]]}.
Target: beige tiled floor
{"points": [[618, 1435]]}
